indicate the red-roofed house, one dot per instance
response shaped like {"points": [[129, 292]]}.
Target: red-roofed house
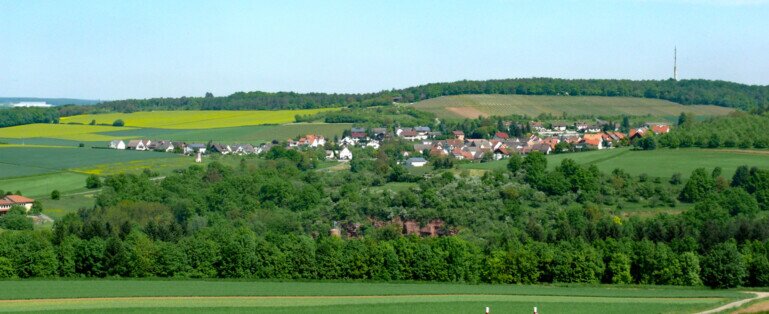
{"points": [[501, 135], [459, 135], [10, 200], [660, 128], [595, 140]]}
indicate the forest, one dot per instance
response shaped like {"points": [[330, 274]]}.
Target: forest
{"points": [[28, 115], [699, 92], [270, 217], [738, 130]]}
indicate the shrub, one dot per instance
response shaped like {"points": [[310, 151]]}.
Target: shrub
{"points": [[118, 122]]}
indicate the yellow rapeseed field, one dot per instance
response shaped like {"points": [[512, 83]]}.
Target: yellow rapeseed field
{"points": [[61, 131], [198, 119]]}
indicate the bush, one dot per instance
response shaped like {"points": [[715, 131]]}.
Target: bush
{"points": [[55, 195], [118, 122], [93, 182]]}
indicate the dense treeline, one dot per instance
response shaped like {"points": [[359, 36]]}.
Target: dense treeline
{"points": [[270, 218], [738, 130], [720, 93], [28, 115]]}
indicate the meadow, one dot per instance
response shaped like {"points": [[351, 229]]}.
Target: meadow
{"points": [[135, 296], [656, 163], [195, 119], [473, 106]]}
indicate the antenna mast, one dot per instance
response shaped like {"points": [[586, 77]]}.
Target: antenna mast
{"points": [[675, 63]]}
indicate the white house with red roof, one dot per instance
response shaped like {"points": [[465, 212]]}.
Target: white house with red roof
{"points": [[14, 200]]}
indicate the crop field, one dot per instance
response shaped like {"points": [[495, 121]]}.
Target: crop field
{"points": [[473, 106], [18, 161], [198, 119], [254, 134], [42, 185], [657, 163], [135, 296], [59, 131]]}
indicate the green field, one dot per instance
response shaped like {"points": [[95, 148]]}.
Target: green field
{"points": [[18, 161], [245, 134], [472, 106], [135, 296], [196, 119], [42, 185], [658, 163]]}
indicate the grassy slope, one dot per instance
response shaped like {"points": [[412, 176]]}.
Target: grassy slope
{"points": [[196, 119], [557, 105], [353, 297], [42, 185], [660, 163]]}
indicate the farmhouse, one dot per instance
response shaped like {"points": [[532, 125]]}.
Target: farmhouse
{"points": [[137, 145], [10, 200], [195, 148], [345, 154], [163, 146], [416, 162], [221, 148], [117, 144]]}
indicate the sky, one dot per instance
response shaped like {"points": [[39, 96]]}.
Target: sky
{"points": [[106, 49]]}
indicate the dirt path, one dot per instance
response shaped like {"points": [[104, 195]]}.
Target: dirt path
{"points": [[759, 295]]}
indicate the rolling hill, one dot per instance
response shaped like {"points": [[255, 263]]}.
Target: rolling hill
{"points": [[473, 106]]}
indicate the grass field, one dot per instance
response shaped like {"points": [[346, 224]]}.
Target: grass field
{"points": [[42, 185], [472, 106], [133, 296], [658, 163], [197, 119]]}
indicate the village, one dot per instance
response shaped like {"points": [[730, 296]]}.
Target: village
{"points": [[427, 143]]}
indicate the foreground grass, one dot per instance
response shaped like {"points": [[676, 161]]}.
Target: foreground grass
{"points": [[134, 296]]}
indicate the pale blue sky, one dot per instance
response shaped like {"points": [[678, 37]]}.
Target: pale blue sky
{"points": [[136, 49]]}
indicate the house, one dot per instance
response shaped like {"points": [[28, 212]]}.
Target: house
{"points": [[373, 144], [117, 144], [636, 133], [136, 145], [501, 135], [593, 140], [379, 133], [593, 129], [412, 135], [311, 140], [348, 141], [416, 162], [359, 133], [164, 146], [330, 155], [345, 154], [459, 135], [243, 149], [221, 148], [14, 200], [195, 148], [559, 126], [658, 128]]}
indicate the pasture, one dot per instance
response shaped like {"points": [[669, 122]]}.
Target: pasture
{"points": [[656, 163], [473, 106], [195, 119], [135, 296]]}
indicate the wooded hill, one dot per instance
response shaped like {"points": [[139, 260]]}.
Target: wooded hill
{"points": [[701, 92]]}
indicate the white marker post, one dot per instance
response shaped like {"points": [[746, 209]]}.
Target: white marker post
{"points": [[535, 310], [487, 310]]}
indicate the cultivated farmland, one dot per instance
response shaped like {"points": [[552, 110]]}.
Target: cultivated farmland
{"points": [[473, 106], [199, 119], [228, 296], [38, 160], [244, 134], [59, 131]]}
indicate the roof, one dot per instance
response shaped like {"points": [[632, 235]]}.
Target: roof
{"points": [[17, 199], [408, 133], [416, 159], [458, 133], [501, 135]]}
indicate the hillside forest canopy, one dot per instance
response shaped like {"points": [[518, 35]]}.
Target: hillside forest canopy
{"points": [[272, 217]]}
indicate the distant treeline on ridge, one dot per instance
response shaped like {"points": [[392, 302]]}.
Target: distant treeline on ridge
{"points": [[687, 92]]}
